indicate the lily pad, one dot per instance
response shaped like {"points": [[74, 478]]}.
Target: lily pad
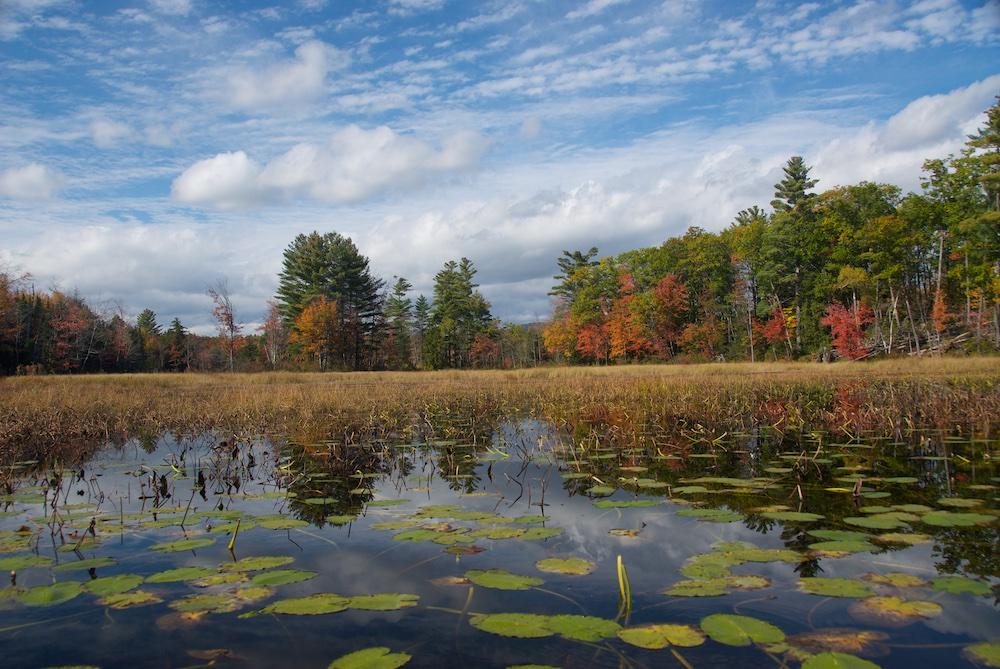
{"points": [[715, 587], [834, 587], [180, 574], [583, 628], [837, 661], [182, 545], [92, 563], [113, 585], [282, 577], [49, 595], [735, 630], [655, 637], [501, 579], [960, 585], [386, 601], [986, 654], [896, 580], [570, 566], [955, 519], [793, 516], [894, 611], [712, 515], [127, 600], [537, 533], [519, 625], [882, 521], [846, 546], [25, 562], [256, 563], [280, 523], [311, 605], [378, 657]]}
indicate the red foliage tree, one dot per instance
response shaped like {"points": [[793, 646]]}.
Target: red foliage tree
{"points": [[846, 327], [626, 332], [701, 338], [672, 306], [592, 342]]}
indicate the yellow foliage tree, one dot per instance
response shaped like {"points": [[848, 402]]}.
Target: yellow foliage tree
{"points": [[315, 330]]}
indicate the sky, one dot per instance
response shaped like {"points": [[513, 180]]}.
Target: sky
{"points": [[150, 149]]}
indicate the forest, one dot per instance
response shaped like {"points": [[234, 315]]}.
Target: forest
{"points": [[851, 272]]}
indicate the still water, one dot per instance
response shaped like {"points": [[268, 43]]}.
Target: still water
{"points": [[750, 550]]}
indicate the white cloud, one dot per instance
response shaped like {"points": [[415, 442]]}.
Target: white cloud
{"points": [[107, 134], [288, 82], [593, 7], [171, 7], [409, 7], [354, 165], [31, 182], [531, 128]]}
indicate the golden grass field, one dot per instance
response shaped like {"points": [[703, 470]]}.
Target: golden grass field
{"points": [[886, 396]]}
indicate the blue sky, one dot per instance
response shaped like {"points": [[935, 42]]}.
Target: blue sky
{"points": [[149, 149]]}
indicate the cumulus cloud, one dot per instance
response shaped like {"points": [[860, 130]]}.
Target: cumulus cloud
{"points": [[300, 78], [171, 7], [408, 7], [355, 164], [107, 134], [592, 8], [30, 182]]}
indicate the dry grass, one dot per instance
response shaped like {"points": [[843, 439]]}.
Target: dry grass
{"points": [[631, 403]]}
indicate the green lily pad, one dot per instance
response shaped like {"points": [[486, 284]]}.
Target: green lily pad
{"points": [[714, 587], [600, 490], [280, 523], [311, 605], [282, 577], [655, 637], [960, 585], [910, 538], [25, 562], [538, 533], [834, 587], [570, 566], [497, 533], [386, 601], [379, 657], [501, 579], [113, 585], [49, 595], [955, 519], [959, 502], [837, 661], [848, 546], [182, 545], [896, 580], [342, 519], [519, 625], [712, 515], [206, 603], [734, 630], [526, 520], [986, 654], [840, 535], [92, 563], [882, 521], [793, 516], [583, 628], [257, 563], [180, 574], [127, 600]]}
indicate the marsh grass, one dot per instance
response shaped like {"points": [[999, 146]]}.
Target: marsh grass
{"points": [[673, 405]]}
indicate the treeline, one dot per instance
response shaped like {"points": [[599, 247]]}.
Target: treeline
{"points": [[330, 313], [850, 272]]}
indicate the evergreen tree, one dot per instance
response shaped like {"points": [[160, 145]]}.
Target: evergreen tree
{"points": [[421, 323], [176, 346], [331, 266], [572, 269], [398, 314], [790, 193], [459, 313]]}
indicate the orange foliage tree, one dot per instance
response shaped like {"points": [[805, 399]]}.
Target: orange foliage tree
{"points": [[846, 326], [559, 338], [626, 332], [316, 330], [671, 297]]}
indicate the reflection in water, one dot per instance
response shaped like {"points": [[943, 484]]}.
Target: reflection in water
{"points": [[413, 516]]}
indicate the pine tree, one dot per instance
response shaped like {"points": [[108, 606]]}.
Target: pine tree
{"points": [[398, 314], [790, 193], [572, 267]]}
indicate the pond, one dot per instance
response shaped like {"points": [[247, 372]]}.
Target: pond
{"points": [[522, 546]]}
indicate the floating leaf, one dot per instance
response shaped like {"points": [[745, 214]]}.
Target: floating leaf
{"points": [[310, 605], [624, 532], [715, 587], [282, 577], [712, 515], [834, 587], [793, 516], [497, 533], [386, 601], [626, 503], [570, 566], [280, 523], [893, 610], [837, 661], [537, 533], [840, 535], [960, 585], [113, 585], [655, 637], [206, 603], [126, 600], [501, 579], [849, 546], [583, 628], [955, 519], [987, 654], [519, 625], [220, 579], [896, 580], [379, 657], [342, 519], [257, 563], [182, 545], [180, 574], [910, 539], [600, 490], [25, 562], [880, 521], [959, 502], [841, 641], [49, 595], [525, 520], [734, 630], [92, 563]]}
